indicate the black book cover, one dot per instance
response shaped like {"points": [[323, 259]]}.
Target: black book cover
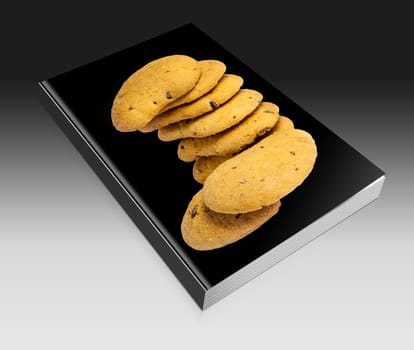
{"points": [[154, 187]]}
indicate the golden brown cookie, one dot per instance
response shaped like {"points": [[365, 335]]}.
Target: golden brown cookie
{"points": [[232, 140], [225, 89], [261, 174], [147, 91], [283, 123], [204, 229], [204, 166], [211, 72], [222, 118]]}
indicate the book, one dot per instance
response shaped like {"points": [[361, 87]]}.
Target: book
{"points": [[154, 187]]}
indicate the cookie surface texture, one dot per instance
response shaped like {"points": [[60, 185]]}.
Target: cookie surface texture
{"points": [[261, 174], [151, 88], [203, 229], [222, 118], [225, 89], [211, 72], [283, 123], [204, 166], [234, 139]]}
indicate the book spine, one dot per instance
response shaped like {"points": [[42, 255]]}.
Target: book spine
{"points": [[118, 188]]}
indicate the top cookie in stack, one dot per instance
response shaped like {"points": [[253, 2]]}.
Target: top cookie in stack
{"points": [[150, 89], [161, 85]]}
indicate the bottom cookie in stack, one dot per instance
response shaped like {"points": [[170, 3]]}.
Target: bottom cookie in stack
{"points": [[204, 229]]}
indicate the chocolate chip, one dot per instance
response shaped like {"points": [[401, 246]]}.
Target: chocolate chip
{"points": [[194, 212], [154, 102], [292, 153], [243, 181], [234, 116], [168, 95], [213, 104]]}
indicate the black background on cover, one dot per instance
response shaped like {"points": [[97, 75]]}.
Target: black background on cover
{"points": [[165, 183]]}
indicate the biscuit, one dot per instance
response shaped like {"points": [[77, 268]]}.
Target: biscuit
{"points": [[261, 174], [232, 140], [204, 229], [204, 166], [283, 123], [225, 89], [211, 72], [222, 118], [147, 91]]}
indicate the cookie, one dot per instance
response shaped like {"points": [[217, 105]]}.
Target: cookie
{"points": [[211, 72], [232, 140], [204, 166], [283, 123], [261, 174], [222, 118], [147, 91], [203, 229], [225, 89]]}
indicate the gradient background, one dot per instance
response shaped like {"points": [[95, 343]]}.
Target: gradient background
{"points": [[76, 273]]}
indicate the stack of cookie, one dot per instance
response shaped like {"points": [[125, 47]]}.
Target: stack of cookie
{"points": [[245, 154]]}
